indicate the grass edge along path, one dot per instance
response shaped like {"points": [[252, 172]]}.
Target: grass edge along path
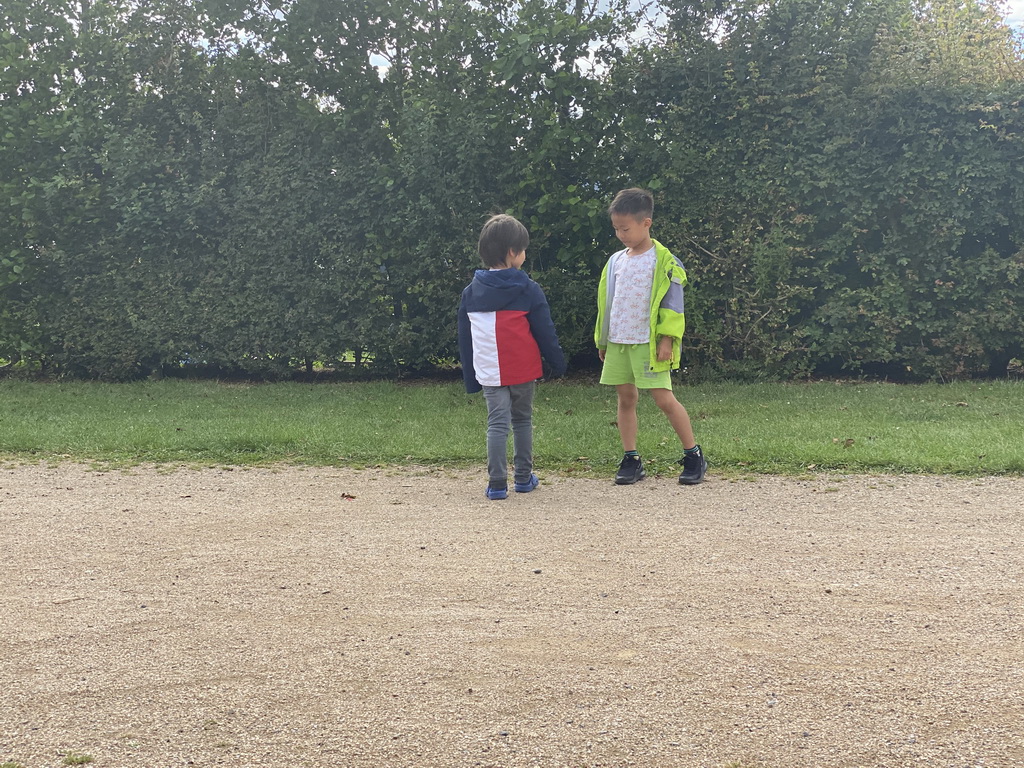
{"points": [[966, 428]]}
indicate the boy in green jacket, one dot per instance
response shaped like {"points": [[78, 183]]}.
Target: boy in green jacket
{"points": [[639, 332]]}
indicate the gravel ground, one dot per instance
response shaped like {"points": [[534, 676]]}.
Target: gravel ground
{"points": [[331, 617]]}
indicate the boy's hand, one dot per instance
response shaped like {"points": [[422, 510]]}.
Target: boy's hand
{"points": [[664, 348]]}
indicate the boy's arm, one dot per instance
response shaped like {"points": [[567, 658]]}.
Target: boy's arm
{"points": [[543, 329], [665, 347], [466, 350]]}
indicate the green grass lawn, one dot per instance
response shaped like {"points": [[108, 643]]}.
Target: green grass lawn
{"points": [[964, 428]]}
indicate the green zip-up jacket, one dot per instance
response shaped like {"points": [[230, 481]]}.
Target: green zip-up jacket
{"points": [[667, 317]]}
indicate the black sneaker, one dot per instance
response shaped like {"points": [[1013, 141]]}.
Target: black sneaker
{"points": [[630, 470], [694, 467]]}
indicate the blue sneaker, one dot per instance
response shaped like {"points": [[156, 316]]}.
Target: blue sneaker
{"points": [[494, 494], [529, 485]]}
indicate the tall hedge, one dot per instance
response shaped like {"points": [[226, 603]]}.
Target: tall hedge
{"points": [[844, 206], [259, 188]]}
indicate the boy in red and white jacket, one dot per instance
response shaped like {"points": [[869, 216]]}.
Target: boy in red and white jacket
{"points": [[505, 329]]}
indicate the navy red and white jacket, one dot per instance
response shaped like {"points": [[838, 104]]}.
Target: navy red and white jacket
{"points": [[504, 329]]}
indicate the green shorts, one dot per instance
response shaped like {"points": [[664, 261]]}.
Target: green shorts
{"points": [[631, 364]]}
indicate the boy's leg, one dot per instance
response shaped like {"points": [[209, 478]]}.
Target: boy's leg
{"points": [[694, 464], [626, 415], [620, 371], [499, 418], [677, 416], [522, 430], [631, 468]]}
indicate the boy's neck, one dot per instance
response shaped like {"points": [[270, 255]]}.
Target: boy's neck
{"points": [[644, 247]]}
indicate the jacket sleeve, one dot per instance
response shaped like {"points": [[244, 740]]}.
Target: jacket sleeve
{"points": [[543, 329], [602, 290], [466, 349], [671, 317]]}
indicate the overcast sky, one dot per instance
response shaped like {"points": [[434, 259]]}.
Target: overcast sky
{"points": [[1015, 13]]}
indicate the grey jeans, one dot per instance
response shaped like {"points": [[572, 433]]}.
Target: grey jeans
{"points": [[509, 407]]}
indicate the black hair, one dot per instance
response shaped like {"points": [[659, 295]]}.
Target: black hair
{"points": [[501, 233], [633, 202]]}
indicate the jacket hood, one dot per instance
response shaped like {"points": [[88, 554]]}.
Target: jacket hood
{"points": [[498, 288]]}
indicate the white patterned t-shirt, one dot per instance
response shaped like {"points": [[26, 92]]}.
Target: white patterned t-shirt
{"points": [[630, 320]]}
